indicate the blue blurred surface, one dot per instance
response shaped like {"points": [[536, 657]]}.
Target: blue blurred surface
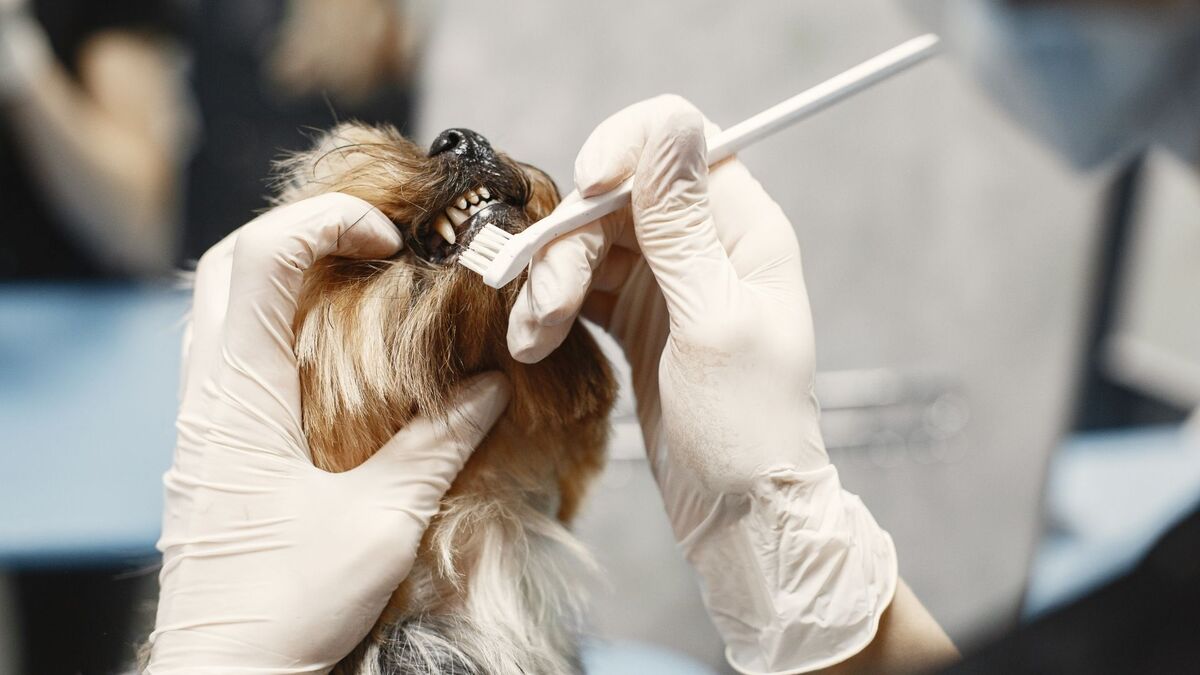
{"points": [[621, 657], [1110, 495], [88, 396]]}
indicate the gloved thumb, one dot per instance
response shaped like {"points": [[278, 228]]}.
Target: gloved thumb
{"points": [[415, 468], [675, 229]]}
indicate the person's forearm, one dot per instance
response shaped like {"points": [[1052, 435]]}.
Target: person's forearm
{"points": [[909, 640], [115, 187]]}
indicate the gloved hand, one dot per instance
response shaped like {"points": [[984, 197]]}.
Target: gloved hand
{"points": [[270, 564], [700, 282], [24, 48]]}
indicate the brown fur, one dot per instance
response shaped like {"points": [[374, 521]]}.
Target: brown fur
{"points": [[381, 341]]}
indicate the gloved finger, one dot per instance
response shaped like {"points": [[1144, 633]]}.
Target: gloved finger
{"points": [[210, 297], [528, 340], [753, 229], [273, 251], [675, 228], [569, 268], [607, 281], [613, 150], [412, 471], [258, 365], [561, 272], [560, 277]]}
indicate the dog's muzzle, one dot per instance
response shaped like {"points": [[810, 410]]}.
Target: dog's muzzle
{"points": [[497, 197]]}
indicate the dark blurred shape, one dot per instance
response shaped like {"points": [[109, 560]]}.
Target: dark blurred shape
{"points": [[265, 74], [1144, 622], [40, 239], [1103, 403], [34, 246], [69, 23], [73, 623], [37, 243]]}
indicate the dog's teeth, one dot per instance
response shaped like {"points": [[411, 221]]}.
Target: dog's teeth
{"points": [[443, 227], [474, 209], [472, 196], [484, 194], [461, 203], [458, 216]]}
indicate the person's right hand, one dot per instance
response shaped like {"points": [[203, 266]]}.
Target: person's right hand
{"points": [[700, 282], [707, 267]]}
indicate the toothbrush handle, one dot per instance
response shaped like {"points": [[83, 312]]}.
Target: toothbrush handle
{"points": [[814, 100], [570, 216]]}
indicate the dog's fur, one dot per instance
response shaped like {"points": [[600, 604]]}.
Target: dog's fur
{"points": [[496, 587]]}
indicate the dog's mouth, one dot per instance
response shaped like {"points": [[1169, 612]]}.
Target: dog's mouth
{"points": [[454, 227], [480, 188], [450, 231]]}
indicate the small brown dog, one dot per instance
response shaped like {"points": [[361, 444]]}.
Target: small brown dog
{"points": [[496, 587]]}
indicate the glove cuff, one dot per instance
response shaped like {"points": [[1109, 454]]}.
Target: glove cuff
{"points": [[795, 575]]}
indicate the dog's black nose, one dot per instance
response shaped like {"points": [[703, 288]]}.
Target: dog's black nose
{"points": [[460, 142]]}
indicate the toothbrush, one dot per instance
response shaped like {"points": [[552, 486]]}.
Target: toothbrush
{"points": [[499, 256]]}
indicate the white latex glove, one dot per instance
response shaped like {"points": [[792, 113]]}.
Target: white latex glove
{"points": [[700, 282], [24, 49], [269, 564]]}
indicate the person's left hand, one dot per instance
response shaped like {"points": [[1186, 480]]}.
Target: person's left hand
{"points": [[700, 282], [270, 564]]}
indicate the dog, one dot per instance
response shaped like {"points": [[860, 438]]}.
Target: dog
{"points": [[497, 587]]}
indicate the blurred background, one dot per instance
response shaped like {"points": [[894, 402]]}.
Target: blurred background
{"points": [[1001, 252]]}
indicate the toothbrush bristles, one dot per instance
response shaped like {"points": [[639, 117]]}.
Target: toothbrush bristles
{"points": [[483, 249], [476, 264]]}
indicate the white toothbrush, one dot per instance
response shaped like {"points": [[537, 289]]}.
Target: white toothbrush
{"points": [[499, 256]]}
